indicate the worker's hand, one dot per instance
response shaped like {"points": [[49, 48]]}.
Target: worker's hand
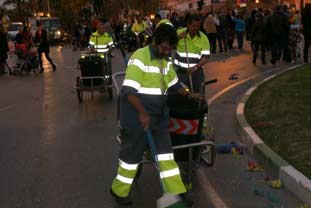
{"points": [[144, 119], [192, 69], [183, 35], [195, 96]]}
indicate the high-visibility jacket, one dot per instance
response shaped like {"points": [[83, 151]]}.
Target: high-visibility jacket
{"points": [[144, 79], [139, 27], [148, 75], [197, 48], [102, 42], [164, 21]]}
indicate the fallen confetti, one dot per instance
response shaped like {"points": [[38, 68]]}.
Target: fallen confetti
{"points": [[276, 184]]}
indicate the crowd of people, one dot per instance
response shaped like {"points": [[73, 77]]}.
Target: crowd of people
{"points": [[283, 32]]}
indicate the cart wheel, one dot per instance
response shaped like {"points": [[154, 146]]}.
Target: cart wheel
{"points": [[36, 70], [110, 93], [17, 73], [208, 156], [139, 170], [79, 95]]}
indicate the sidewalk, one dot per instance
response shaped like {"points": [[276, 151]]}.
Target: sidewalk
{"points": [[239, 188]]}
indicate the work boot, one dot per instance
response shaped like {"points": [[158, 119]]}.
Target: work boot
{"points": [[121, 200], [186, 200]]}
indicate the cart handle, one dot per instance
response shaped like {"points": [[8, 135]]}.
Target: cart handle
{"points": [[114, 81]]}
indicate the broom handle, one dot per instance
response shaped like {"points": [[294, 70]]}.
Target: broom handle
{"points": [[190, 77], [153, 149]]}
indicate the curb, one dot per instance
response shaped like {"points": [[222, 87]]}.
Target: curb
{"points": [[292, 179]]}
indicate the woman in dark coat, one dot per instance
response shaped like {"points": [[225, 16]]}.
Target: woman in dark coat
{"points": [[3, 50], [44, 46]]}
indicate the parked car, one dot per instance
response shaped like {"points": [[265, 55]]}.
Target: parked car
{"points": [[13, 29]]}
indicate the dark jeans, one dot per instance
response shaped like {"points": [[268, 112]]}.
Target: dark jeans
{"points": [[306, 47], [222, 42], [240, 39], [256, 45], [47, 56], [212, 41]]}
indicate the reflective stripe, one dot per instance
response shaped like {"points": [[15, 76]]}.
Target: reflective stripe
{"points": [[102, 50], [169, 173], [184, 65], [174, 81], [127, 166], [207, 52], [165, 157], [190, 55], [131, 83], [150, 91], [145, 68], [101, 46], [110, 43], [91, 43], [124, 179]]}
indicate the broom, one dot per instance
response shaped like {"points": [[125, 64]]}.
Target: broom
{"points": [[167, 200]]}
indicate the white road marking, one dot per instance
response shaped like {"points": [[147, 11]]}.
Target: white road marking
{"points": [[210, 192], [6, 108]]}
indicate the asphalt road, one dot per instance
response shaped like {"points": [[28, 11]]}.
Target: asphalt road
{"points": [[58, 153]]}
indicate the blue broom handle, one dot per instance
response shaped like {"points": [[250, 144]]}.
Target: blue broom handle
{"points": [[153, 149]]}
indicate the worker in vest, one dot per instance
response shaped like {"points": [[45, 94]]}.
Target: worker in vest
{"points": [[100, 40], [193, 49], [149, 76], [139, 25], [164, 21]]}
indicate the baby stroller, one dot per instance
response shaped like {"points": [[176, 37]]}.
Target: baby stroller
{"points": [[27, 60]]}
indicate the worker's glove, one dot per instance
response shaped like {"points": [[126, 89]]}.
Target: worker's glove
{"points": [[191, 70], [144, 119], [195, 96]]}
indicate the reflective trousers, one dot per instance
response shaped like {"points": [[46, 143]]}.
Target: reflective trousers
{"points": [[132, 149]]}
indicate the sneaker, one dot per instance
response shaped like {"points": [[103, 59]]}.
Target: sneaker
{"points": [[121, 200]]}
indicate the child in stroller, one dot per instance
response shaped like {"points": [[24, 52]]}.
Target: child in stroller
{"points": [[27, 60]]}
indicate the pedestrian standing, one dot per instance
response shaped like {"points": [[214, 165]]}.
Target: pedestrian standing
{"points": [[221, 33], [250, 23], [149, 75], [278, 28], [210, 23], [193, 49], [230, 29], [306, 30], [257, 37], [41, 38], [239, 29], [4, 49]]}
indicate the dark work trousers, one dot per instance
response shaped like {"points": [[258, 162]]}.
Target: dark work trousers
{"points": [[197, 79], [240, 39], [279, 45], [230, 38], [306, 47], [256, 45], [47, 56], [285, 48], [212, 41], [222, 42], [134, 142]]}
